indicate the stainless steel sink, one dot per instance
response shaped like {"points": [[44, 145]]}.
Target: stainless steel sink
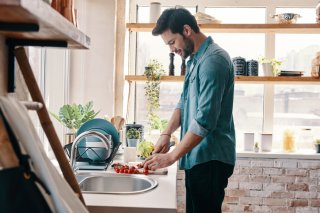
{"points": [[115, 183]]}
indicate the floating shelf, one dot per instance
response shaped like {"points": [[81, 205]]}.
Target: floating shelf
{"points": [[240, 79], [241, 28], [36, 20]]}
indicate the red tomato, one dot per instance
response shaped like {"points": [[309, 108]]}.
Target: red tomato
{"points": [[145, 171]]}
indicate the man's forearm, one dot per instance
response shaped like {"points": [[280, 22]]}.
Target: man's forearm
{"points": [[187, 143], [174, 122]]}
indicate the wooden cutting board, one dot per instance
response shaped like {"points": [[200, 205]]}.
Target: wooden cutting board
{"points": [[162, 171]]}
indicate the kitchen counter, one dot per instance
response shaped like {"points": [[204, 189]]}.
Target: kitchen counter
{"points": [[162, 199]]}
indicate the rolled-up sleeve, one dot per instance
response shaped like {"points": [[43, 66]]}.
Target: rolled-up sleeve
{"points": [[179, 104], [212, 82]]}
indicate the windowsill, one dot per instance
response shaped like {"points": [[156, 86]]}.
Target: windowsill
{"points": [[301, 154]]}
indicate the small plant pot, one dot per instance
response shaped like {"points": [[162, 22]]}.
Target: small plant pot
{"points": [[256, 149], [317, 148], [267, 69], [132, 142]]}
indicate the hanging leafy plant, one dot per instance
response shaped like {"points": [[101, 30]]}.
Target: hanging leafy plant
{"points": [[153, 71]]}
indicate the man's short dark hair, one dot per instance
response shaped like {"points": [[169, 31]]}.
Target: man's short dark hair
{"points": [[174, 19]]}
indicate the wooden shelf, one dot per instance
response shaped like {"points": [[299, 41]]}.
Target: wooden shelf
{"points": [[240, 28], [52, 25], [240, 79]]}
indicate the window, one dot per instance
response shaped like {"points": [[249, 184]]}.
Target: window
{"points": [[50, 67], [149, 47], [257, 107]]}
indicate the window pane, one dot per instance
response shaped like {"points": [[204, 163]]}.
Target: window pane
{"points": [[169, 97], [247, 110], [296, 107], [297, 51], [152, 47], [238, 15], [248, 100], [144, 12]]}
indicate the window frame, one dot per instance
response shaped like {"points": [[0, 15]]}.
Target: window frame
{"points": [[268, 97]]}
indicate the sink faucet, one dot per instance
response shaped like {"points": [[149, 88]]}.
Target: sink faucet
{"points": [[105, 140]]}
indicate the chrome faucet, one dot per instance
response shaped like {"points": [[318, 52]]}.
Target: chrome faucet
{"points": [[105, 140]]}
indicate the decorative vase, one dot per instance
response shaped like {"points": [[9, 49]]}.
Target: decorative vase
{"points": [[266, 142], [248, 141], [155, 10], [267, 69]]}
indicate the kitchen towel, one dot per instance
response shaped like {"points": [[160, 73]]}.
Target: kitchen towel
{"points": [[63, 198]]}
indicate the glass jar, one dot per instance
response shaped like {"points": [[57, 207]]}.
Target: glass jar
{"points": [[288, 141], [305, 139]]}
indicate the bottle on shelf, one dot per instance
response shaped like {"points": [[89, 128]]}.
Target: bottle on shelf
{"points": [[183, 67], [171, 65]]}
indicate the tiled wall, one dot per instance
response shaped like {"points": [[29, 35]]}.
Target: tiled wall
{"points": [[268, 185]]}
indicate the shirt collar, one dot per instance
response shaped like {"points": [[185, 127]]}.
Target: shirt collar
{"points": [[202, 48]]}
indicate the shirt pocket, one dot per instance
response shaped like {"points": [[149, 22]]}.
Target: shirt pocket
{"points": [[193, 88]]}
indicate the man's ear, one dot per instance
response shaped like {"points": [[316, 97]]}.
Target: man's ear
{"points": [[187, 30]]}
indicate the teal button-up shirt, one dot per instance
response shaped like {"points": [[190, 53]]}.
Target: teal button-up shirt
{"points": [[206, 106]]}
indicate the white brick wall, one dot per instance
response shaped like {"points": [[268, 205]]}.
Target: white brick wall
{"points": [[268, 185]]}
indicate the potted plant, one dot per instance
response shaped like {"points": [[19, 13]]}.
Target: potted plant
{"points": [[153, 71], [72, 116], [317, 145], [256, 147], [133, 136], [270, 66]]}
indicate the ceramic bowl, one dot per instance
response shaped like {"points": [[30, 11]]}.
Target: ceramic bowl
{"points": [[286, 18]]}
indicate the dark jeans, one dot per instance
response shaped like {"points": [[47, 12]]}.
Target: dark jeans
{"points": [[205, 184]]}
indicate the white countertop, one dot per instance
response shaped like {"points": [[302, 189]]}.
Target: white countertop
{"points": [[160, 199]]}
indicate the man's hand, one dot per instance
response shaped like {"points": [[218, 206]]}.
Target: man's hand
{"points": [[162, 145], [158, 161]]}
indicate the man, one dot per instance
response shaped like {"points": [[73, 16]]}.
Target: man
{"points": [[207, 149]]}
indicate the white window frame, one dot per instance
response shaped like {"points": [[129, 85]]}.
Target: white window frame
{"points": [[270, 5]]}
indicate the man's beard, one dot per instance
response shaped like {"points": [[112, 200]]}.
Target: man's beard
{"points": [[189, 47]]}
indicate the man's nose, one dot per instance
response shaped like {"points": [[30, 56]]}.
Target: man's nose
{"points": [[173, 49]]}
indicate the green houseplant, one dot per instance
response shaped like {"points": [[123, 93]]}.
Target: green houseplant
{"points": [[153, 71], [133, 136], [73, 116], [270, 66], [317, 145]]}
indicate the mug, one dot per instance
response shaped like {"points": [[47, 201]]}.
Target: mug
{"points": [[266, 142], [248, 141], [155, 10]]}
